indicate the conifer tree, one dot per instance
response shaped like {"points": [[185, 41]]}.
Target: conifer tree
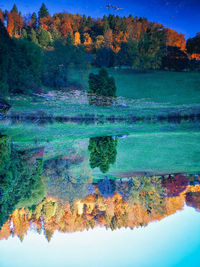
{"points": [[43, 12]]}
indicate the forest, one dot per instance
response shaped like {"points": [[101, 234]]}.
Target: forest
{"points": [[38, 49]]}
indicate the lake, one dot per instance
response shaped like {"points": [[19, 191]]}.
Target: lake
{"points": [[110, 193]]}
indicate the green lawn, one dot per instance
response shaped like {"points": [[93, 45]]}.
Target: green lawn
{"points": [[157, 86], [139, 94], [157, 147]]}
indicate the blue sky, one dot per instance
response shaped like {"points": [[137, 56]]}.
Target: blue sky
{"points": [[182, 15], [173, 241]]}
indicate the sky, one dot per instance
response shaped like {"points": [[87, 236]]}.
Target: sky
{"points": [[173, 241], [181, 15]]}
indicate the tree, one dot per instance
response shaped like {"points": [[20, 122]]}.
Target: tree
{"points": [[152, 47], [57, 61], [24, 34], [6, 47], [101, 85], [43, 12], [20, 179], [77, 39], [175, 39], [44, 37], [15, 22], [128, 55], [193, 45], [106, 187], [33, 22], [66, 27], [32, 36], [105, 57], [175, 59], [1, 15], [14, 9], [100, 42], [103, 152], [56, 35]]}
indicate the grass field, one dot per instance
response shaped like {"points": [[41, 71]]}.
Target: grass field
{"points": [[175, 88], [139, 94], [157, 147]]}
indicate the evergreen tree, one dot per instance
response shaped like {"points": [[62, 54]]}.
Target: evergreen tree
{"points": [[44, 37], [106, 187], [193, 45], [105, 57], [55, 34], [33, 36], [14, 9], [43, 12], [103, 152], [106, 25], [6, 48], [101, 85], [24, 34], [34, 20]]}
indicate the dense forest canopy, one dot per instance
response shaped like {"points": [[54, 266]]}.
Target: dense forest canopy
{"points": [[37, 49]]}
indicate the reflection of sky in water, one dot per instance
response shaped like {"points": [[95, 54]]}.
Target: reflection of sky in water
{"points": [[174, 241]]}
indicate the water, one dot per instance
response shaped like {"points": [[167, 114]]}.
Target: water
{"points": [[100, 194]]}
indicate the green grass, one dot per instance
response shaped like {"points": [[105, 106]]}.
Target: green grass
{"points": [[145, 94], [157, 147], [175, 88]]}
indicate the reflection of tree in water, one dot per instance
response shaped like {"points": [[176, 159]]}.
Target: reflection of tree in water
{"points": [[106, 187], [62, 184], [20, 179], [149, 193], [103, 152]]}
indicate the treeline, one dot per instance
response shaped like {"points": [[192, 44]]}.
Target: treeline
{"points": [[134, 203], [25, 66], [63, 39]]}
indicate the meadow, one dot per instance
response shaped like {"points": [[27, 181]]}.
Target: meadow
{"points": [[148, 94]]}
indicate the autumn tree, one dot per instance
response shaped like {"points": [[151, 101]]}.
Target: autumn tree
{"points": [[15, 22], [77, 39], [175, 39], [1, 15], [66, 27]]}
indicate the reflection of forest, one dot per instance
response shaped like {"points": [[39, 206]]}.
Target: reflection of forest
{"points": [[103, 152], [112, 204], [48, 196]]}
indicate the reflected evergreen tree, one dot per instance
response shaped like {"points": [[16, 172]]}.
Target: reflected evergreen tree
{"points": [[106, 187], [103, 152], [20, 179]]}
